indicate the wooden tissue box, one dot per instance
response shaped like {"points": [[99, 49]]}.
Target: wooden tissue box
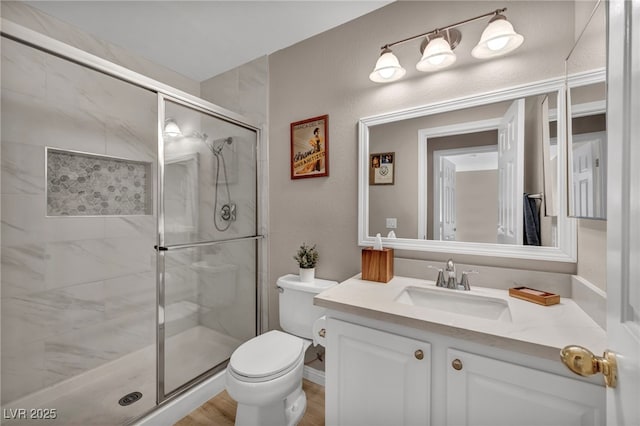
{"points": [[377, 265]]}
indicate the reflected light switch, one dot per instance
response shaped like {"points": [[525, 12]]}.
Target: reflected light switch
{"points": [[392, 223]]}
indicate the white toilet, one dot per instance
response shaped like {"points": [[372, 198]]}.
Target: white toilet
{"points": [[264, 374]]}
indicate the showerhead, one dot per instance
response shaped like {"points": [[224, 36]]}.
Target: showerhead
{"points": [[218, 144]]}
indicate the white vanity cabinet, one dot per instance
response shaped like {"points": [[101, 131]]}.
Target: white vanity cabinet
{"points": [[487, 391], [381, 377], [376, 378]]}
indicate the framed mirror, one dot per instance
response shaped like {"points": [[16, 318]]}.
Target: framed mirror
{"points": [[469, 176], [587, 127]]}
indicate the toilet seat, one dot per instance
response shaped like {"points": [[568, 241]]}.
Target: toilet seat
{"points": [[266, 357]]}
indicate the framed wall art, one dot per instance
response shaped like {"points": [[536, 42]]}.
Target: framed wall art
{"points": [[381, 168], [310, 148]]}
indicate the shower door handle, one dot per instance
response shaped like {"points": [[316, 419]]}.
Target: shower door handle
{"points": [[206, 243]]}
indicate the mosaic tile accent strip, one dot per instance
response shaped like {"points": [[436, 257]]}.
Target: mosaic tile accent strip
{"points": [[81, 184]]}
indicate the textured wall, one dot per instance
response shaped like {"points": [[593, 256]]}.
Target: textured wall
{"points": [[329, 74]]}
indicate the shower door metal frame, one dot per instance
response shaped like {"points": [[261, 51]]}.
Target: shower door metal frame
{"points": [[44, 43], [162, 248]]}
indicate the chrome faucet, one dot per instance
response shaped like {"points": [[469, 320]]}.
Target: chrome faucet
{"points": [[452, 279]]}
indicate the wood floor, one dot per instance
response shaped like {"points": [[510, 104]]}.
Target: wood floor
{"points": [[221, 409]]}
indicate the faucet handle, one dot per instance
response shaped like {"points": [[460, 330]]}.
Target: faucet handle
{"points": [[440, 280], [450, 265], [464, 280]]}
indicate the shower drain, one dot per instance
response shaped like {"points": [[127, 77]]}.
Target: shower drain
{"points": [[130, 398]]}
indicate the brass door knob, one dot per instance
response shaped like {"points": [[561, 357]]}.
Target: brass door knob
{"points": [[456, 364], [583, 362], [419, 354]]}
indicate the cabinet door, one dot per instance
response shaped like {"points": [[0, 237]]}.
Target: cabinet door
{"points": [[486, 391], [375, 378]]}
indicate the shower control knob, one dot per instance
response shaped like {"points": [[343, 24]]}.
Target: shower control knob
{"points": [[226, 212]]}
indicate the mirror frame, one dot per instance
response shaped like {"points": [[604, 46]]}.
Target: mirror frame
{"points": [[573, 81], [566, 251]]}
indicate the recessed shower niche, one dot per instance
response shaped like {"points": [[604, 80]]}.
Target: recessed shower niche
{"points": [[83, 184]]}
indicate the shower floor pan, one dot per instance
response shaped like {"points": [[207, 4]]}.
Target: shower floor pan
{"points": [[92, 398]]}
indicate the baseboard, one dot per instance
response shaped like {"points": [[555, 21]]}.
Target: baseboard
{"points": [[173, 411], [313, 375]]}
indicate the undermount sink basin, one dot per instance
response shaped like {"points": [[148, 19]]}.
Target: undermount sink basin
{"points": [[457, 302]]}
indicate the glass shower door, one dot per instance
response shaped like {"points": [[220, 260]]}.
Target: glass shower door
{"points": [[207, 255]]}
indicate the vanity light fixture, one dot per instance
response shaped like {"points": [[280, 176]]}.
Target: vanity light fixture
{"points": [[437, 47], [437, 51], [497, 39], [387, 68], [171, 128]]}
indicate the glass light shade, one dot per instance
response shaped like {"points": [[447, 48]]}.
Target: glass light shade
{"points": [[171, 128], [387, 68], [497, 39], [437, 55]]}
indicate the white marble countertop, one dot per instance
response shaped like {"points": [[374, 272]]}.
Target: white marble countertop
{"points": [[534, 329]]}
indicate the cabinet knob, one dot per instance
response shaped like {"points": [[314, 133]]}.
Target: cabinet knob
{"points": [[456, 364], [419, 354], [583, 362], [322, 332]]}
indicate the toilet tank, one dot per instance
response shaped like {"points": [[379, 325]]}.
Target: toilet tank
{"points": [[297, 312]]}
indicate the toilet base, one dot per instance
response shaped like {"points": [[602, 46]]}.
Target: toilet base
{"points": [[287, 412]]}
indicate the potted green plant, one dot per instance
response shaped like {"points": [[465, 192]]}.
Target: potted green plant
{"points": [[307, 257]]}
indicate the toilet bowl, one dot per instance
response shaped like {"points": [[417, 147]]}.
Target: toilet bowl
{"points": [[264, 374], [268, 387]]}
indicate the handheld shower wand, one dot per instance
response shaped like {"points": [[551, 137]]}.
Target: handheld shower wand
{"points": [[228, 210]]}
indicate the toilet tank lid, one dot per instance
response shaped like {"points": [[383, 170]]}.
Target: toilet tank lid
{"points": [[293, 282]]}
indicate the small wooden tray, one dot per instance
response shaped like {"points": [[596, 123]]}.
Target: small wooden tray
{"points": [[536, 296]]}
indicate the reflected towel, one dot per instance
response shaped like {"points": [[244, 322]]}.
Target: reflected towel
{"points": [[531, 222]]}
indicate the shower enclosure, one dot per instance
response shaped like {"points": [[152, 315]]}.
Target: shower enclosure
{"points": [[129, 241], [207, 242]]}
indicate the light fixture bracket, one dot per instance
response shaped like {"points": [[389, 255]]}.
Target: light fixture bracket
{"points": [[451, 35], [497, 17]]}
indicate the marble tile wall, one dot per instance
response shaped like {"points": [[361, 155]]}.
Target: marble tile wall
{"points": [[77, 292], [226, 288], [224, 276], [237, 160], [245, 90]]}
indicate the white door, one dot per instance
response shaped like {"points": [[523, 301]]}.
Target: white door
{"points": [[376, 378], [448, 199], [582, 170], [623, 209], [511, 174]]}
